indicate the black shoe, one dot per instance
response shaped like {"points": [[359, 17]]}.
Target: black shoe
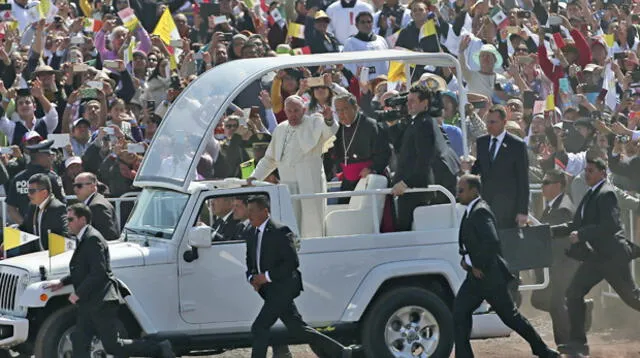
{"points": [[550, 353], [574, 349], [347, 352], [166, 351], [588, 313]]}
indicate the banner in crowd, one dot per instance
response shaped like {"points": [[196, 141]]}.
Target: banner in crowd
{"points": [[14, 238]]}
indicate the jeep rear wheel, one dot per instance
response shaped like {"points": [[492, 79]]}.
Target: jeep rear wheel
{"points": [[408, 322], [54, 336]]}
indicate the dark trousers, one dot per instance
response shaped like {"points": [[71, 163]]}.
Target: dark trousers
{"points": [[589, 274], [406, 205], [495, 292], [101, 322], [552, 299], [280, 305]]}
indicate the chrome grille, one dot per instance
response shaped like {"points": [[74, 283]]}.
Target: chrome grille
{"points": [[8, 290]]}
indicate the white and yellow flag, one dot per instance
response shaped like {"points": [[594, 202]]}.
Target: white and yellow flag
{"points": [[59, 244], [167, 30], [14, 238]]}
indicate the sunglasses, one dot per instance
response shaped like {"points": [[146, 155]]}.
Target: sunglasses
{"points": [[80, 185], [71, 218], [231, 126], [548, 182], [34, 190]]}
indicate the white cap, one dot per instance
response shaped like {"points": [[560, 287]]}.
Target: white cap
{"points": [[72, 160]]}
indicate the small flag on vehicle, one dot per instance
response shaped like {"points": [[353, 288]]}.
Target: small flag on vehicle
{"points": [[14, 238], [59, 244]]}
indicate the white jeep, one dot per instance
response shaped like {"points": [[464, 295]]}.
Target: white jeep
{"points": [[391, 292]]}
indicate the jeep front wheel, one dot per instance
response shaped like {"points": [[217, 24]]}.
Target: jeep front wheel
{"points": [[54, 336], [408, 322]]}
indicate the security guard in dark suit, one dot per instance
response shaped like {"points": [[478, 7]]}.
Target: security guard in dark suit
{"points": [[41, 162], [487, 274], [559, 210], [272, 270], [598, 240], [97, 294], [46, 214]]}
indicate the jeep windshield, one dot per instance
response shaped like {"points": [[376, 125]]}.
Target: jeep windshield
{"points": [[156, 213]]}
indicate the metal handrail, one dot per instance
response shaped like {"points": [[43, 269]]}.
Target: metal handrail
{"points": [[373, 192]]}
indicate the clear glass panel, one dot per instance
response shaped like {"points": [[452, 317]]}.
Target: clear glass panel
{"points": [[157, 212], [188, 121]]}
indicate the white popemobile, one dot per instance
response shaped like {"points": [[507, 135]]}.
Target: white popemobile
{"points": [[390, 292]]}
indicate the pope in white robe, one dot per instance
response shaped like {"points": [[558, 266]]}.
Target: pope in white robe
{"points": [[296, 151]]}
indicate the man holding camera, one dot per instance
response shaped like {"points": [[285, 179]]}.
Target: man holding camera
{"points": [[422, 145]]}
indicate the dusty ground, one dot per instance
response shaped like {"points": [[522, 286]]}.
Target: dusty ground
{"points": [[605, 343]]}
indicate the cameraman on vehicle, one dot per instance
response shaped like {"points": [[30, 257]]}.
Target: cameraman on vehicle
{"points": [[422, 151]]}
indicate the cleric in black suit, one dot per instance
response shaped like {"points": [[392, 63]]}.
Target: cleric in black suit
{"points": [[85, 186], [46, 213], [272, 270], [505, 174], [487, 274], [598, 240], [97, 294], [559, 209]]}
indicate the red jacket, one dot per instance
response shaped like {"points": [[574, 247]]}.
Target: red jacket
{"points": [[555, 73]]}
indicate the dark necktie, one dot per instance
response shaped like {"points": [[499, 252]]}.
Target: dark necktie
{"points": [[585, 201], [492, 148]]}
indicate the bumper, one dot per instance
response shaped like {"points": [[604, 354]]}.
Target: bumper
{"points": [[13, 331]]}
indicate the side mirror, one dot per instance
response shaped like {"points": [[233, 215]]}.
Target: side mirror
{"points": [[200, 237]]}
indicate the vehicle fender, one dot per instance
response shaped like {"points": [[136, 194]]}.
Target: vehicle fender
{"points": [[36, 296], [379, 274]]}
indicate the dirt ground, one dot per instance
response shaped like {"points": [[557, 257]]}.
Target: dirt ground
{"points": [[622, 342]]}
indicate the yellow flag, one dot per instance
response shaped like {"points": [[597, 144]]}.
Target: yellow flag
{"points": [[428, 29], [609, 39], [59, 244], [14, 238], [166, 28], [550, 104], [86, 8], [173, 64], [396, 72], [295, 30], [43, 8]]}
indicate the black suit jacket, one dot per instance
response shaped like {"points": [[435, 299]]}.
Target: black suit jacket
{"points": [[600, 227], [505, 182], [560, 212], [278, 257], [478, 237], [90, 271], [225, 230], [417, 152], [54, 218], [103, 217]]}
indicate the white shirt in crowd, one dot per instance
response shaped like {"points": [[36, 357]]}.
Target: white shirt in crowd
{"points": [[343, 20], [375, 68]]}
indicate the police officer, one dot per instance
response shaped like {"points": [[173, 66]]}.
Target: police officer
{"points": [[41, 161]]}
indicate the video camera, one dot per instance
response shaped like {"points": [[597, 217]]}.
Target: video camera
{"points": [[398, 108]]}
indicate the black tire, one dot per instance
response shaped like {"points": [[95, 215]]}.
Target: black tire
{"points": [[54, 326], [373, 339]]}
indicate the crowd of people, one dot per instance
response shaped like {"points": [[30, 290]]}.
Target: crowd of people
{"points": [[550, 86]]}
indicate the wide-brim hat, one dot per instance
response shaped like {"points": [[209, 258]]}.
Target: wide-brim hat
{"points": [[491, 49], [433, 82], [42, 147], [321, 15], [44, 69]]}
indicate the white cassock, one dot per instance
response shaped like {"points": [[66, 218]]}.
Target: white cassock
{"points": [[297, 154]]}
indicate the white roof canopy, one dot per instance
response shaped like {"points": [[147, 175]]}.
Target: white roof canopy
{"points": [[182, 137]]}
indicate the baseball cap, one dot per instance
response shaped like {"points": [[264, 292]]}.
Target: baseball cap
{"points": [[72, 160]]}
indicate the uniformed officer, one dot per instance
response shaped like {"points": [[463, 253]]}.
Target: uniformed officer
{"points": [[41, 161]]}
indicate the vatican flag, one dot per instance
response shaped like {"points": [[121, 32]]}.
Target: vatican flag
{"points": [[14, 238], [59, 244]]}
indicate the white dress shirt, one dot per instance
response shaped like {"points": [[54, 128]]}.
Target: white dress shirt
{"points": [[81, 233], [41, 208], [553, 200]]}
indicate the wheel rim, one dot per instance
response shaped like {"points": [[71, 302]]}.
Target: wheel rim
{"points": [[65, 347], [412, 331]]}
